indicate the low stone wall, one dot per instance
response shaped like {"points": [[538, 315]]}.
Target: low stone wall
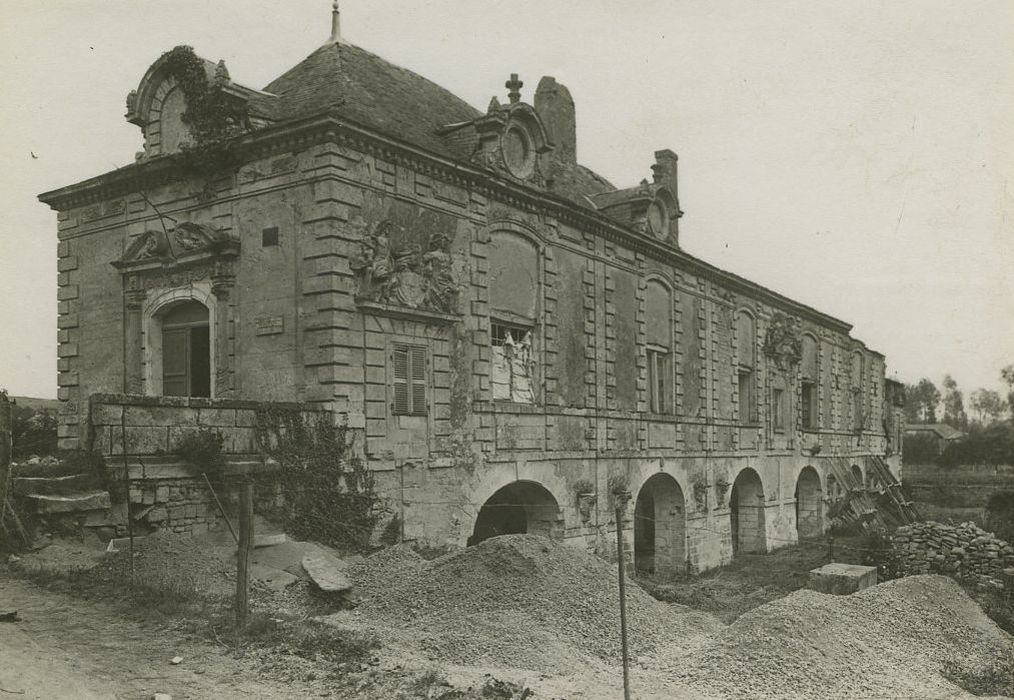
{"points": [[137, 437], [965, 551]]}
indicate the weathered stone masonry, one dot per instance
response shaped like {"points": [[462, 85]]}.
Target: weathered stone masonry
{"points": [[501, 326]]}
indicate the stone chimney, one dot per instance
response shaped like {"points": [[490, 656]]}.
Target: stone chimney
{"points": [[555, 108]]}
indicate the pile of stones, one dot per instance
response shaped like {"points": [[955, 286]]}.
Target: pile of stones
{"points": [[965, 551]]}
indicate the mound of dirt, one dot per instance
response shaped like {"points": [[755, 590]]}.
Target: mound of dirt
{"points": [[523, 601], [889, 640]]}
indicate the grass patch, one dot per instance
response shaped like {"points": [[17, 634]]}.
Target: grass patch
{"points": [[750, 580], [996, 679]]}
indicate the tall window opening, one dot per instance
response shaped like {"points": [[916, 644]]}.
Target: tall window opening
{"points": [[808, 390], [746, 340], [513, 300], [658, 319], [409, 364], [858, 417], [512, 363], [186, 350], [778, 410]]}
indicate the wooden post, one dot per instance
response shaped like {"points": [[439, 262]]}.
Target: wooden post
{"points": [[243, 553], [6, 448], [620, 566]]}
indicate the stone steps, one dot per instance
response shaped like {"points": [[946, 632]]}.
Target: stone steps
{"points": [[53, 485], [73, 502]]}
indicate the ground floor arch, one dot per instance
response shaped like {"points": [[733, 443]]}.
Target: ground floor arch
{"points": [[747, 513], [660, 526], [517, 508], [857, 474], [809, 505]]}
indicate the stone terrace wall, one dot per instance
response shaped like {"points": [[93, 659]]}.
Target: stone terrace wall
{"points": [[164, 490], [967, 486], [964, 551]]}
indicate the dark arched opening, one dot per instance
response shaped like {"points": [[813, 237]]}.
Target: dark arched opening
{"points": [[747, 514], [518, 508], [857, 476], [809, 519], [660, 526]]}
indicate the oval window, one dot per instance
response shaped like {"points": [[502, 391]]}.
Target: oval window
{"points": [[658, 219], [517, 151]]}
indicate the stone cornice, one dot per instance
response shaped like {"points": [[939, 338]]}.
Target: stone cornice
{"points": [[330, 127]]}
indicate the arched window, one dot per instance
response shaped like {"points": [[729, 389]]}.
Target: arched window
{"points": [[658, 322], [186, 349], [746, 342], [810, 378], [513, 300]]}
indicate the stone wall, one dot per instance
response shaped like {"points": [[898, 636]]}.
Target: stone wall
{"points": [[964, 551], [137, 436]]}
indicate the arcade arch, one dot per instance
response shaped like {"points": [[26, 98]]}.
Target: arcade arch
{"points": [[660, 526], [747, 513]]}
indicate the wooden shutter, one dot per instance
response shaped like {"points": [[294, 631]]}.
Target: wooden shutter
{"points": [[417, 379], [401, 373], [175, 362], [409, 380]]}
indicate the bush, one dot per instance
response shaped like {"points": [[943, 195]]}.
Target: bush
{"points": [[1000, 515], [877, 550], [203, 450], [328, 491], [33, 432], [990, 445]]}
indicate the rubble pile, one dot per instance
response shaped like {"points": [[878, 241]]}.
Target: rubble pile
{"points": [[890, 640], [964, 551], [521, 600]]}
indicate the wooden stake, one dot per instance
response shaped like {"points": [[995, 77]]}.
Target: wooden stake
{"points": [[620, 566], [220, 508], [243, 553], [6, 443]]}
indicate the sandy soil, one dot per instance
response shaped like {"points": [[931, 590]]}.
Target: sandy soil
{"points": [[65, 647]]}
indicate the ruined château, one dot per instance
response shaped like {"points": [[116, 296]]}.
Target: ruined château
{"points": [[510, 335]]}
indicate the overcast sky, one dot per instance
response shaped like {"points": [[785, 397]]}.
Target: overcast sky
{"points": [[853, 155]]}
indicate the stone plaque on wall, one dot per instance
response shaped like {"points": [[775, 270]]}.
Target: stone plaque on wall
{"points": [[270, 325]]}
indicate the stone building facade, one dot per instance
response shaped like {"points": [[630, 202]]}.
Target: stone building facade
{"points": [[511, 335]]}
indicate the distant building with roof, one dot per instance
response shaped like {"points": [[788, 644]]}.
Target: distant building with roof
{"points": [[509, 335], [932, 436]]}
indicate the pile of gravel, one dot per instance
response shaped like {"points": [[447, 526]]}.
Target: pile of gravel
{"points": [[172, 562], [521, 601], [890, 640]]}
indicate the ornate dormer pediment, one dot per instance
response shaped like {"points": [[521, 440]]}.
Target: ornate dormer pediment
{"points": [[510, 137], [185, 245], [184, 100], [652, 208]]}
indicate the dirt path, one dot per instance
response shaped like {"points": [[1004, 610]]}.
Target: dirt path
{"points": [[66, 647]]}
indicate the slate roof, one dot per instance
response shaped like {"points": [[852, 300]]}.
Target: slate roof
{"points": [[373, 93], [942, 430], [376, 94]]}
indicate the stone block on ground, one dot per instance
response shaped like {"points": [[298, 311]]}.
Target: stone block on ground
{"points": [[842, 579], [327, 572], [271, 578]]}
